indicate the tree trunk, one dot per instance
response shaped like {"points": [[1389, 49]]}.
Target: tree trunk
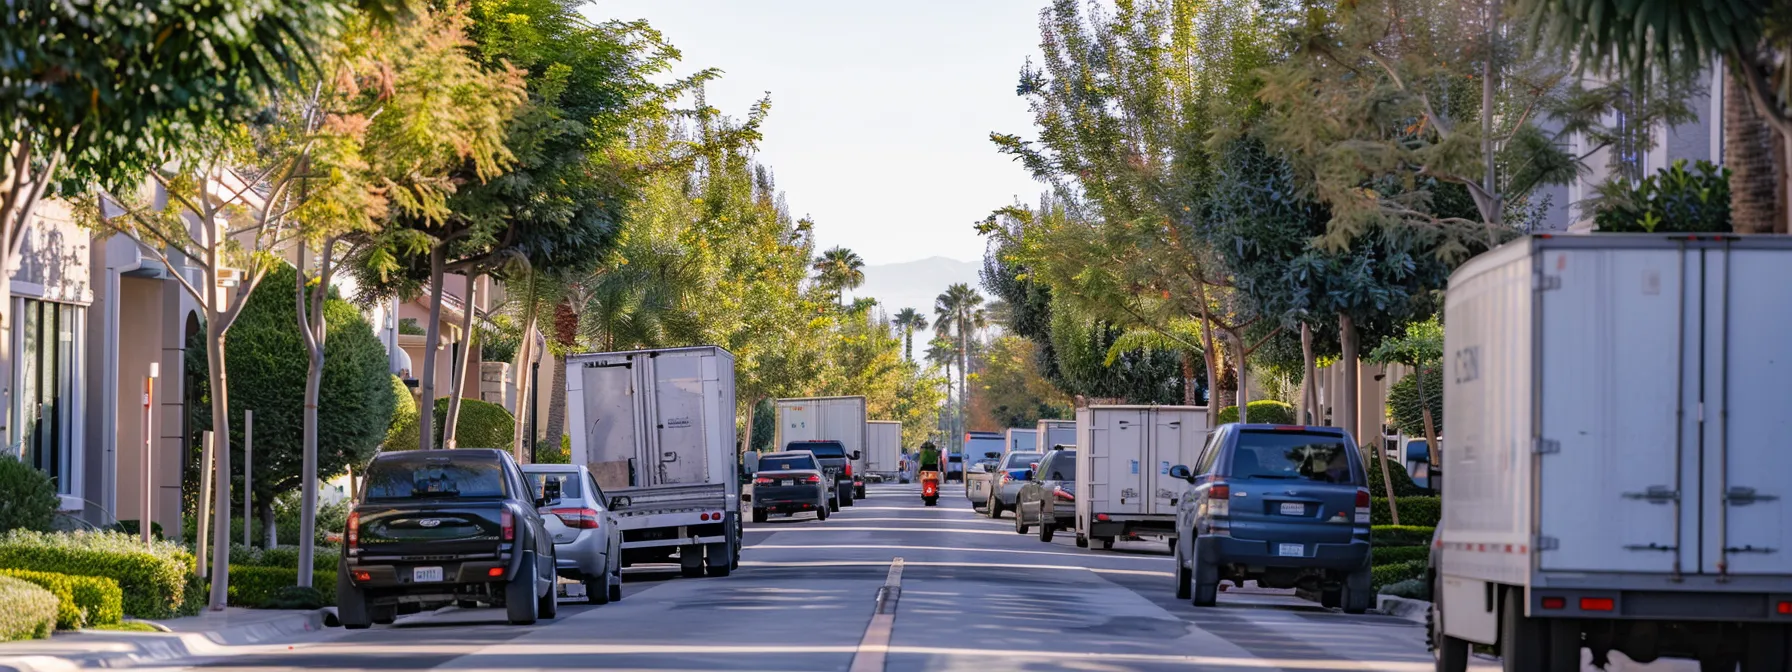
{"points": [[746, 444], [1244, 393], [964, 384], [1309, 388], [1430, 428], [1188, 378], [458, 374], [265, 511], [426, 405], [1346, 412], [312, 326], [556, 401], [1749, 154], [220, 392], [520, 441]]}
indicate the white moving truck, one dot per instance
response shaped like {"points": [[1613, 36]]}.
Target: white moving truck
{"points": [[1023, 440], [883, 449], [1054, 433], [1619, 467], [839, 419], [1123, 460], [656, 428]]}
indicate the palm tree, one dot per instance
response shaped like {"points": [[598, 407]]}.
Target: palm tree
{"points": [[943, 353], [909, 321], [838, 270], [959, 309]]}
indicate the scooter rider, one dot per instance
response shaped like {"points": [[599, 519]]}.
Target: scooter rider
{"points": [[930, 457]]}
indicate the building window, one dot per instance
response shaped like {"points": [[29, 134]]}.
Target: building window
{"points": [[47, 377]]}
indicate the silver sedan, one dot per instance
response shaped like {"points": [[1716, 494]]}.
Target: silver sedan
{"points": [[587, 541], [1006, 479]]}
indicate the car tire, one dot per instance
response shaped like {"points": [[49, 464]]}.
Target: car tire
{"points": [[597, 589], [846, 497], [1449, 653], [834, 504], [1045, 531], [1359, 593], [1523, 640], [1184, 577], [930, 501], [1205, 577], [1331, 598], [994, 508], [821, 513], [1082, 541], [1767, 647], [521, 606], [858, 491], [760, 515], [351, 604], [690, 561], [1020, 524]]}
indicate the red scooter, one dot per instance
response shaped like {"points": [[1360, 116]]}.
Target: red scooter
{"points": [[930, 488]]}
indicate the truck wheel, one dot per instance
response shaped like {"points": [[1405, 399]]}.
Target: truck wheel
{"points": [[994, 508], [521, 605], [1045, 531], [1768, 647], [1184, 577], [1522, 639], [1564, 645], [846, 497], [929, 501], [858, 491], [1082, 541], [1358, 595], [1450, 653], [1107, 543], [690, 561], [721, 559], [351, 604]]}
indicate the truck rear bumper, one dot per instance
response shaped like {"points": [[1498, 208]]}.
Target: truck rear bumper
{"points": [[1228, 550], [1658, 605], [1126, 525]]}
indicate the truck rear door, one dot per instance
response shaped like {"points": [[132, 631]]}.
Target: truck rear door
{"points": [[680, 446], [1116, 470], [613, 443], [1176, 438]]}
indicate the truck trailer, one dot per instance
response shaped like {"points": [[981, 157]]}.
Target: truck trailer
{"points": [[1123, 460], [1618, 460], [1053, 433], [827, 419], [656, 428], [1022, 440], [883, 449]]}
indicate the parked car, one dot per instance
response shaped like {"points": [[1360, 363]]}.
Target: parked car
{"points": [[836, 468], [980, 479], [587, 540], [954, 468], [1010, 474], [437, 527], [1285, 506], [788, 483], [1048, 497]]}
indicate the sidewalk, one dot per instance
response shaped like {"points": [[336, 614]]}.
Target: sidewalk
{"points": [[209, 633]]}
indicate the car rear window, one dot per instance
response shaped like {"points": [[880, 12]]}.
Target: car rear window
{"points": [[790, 463], [1062, 467], [434, 476], [954, 458], [819, 448], [567, 480], [1020, 460], [1304, 456]]}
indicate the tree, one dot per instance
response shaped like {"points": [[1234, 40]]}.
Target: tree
{"points": [[838, 270], [355, 404], [909, 321], [1012, 391], [959, 311]]}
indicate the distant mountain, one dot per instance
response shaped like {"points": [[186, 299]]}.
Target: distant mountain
{"points": [[915, 284]]}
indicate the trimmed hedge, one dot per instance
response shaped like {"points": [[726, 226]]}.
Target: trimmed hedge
{"points": [[1383, 536], [1392, 555], [30, 611], [1263, 412], [1403, 485], [482, 424], [1420, 511], [81, 600], [1412, 589], [1384, 575], [153, 578], [259, 587], [28, 498], [323, 558]]}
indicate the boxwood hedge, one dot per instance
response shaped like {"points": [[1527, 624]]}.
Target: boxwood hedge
{"points": [[82, 601], [1383, 575], [1393, 555], [153, 578], [1383, 536], [260, 586], [1421, 511], [30, 611]]}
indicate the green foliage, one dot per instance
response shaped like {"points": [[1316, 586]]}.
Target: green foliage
{"points": [[1263, 412], [1674, 200], [409, 327], [402, 434], [1384, 536], [1403, 485], [1422, 343], [299, 597], [550, 454], [131, 527], [30, 611], [1009, 390], [1407, 408], [153, 577], [268, 365], [1392, 555], [264, 587], [1412, 589], [28, 498], [838, 270], [323, 558], [81, 600], [1419, 511], [482, 424], [1385, 575]]}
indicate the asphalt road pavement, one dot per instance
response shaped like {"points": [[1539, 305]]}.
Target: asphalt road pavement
{"points": [[887, 585]]}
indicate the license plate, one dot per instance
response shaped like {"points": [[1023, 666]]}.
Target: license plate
{"points": [[1291, 550], [786, 482], [1294, 509], [421, 574]]}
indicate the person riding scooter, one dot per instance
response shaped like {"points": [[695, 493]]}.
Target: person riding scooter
{"points": [[929, 474], [930, 457]]}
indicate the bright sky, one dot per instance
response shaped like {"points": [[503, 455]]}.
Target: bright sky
{"points": [[881, 111]]}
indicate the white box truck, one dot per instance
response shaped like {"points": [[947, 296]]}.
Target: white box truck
{"points": [[1022, 440], [1123, 460], [839, 419], [883, 449], [656, 428], [1619, 467], [1054, 433]]}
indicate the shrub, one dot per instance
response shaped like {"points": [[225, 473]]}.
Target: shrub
{"points": [[81, 600], [547, 453], [28, 498], [1403, 485], [1674, 199], [30, 611], [1421, 511], [1412, 589], [1263, 412], [482, 425], [130, 527], [1405, 408], [153, 577], [1397, 554], [1386, 536], [259, 586], [402, 434], [297, 597], [324, 557], [1382, 575]]}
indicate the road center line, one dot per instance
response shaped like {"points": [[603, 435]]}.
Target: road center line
{"points": [[876, 642]]}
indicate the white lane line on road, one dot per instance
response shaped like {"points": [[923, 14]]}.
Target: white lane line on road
{"points": [[911, 563], [930, 530], [876, 642], [1204, 662], [1009, 525], [1146, 558]]}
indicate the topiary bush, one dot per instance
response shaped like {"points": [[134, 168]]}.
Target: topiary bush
{"points": [[1391, 555], [1403, 485], [482, 425], [1405, 408], [1674, 199], [1421, 511], [402, 434], [1383, 536], [1263, 412], [30, 611], [324, 557], [82, 601], [28, 498], [1383, 575], [258, 587], [296, 597], [153, 578]]}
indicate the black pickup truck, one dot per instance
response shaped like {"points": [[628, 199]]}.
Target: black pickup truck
{"points": [[439, 527], [836, 464]]}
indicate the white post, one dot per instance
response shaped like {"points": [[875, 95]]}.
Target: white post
{"points": [[203, 520], [248, 472], [149, 448]]}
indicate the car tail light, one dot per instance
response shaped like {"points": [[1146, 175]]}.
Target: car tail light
{"points": [[353, 533], [762, 481], [1555, 602], [1219, 501], [582, 519], [1362, 506], [507, 520], [1597, 604], [1785, 608], [1290, 428], [495, 571], [1060, 493], [363, 576], [813, 478], [849, 468]]}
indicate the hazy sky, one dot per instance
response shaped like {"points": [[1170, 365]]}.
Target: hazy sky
{"points": [[881, 111]]}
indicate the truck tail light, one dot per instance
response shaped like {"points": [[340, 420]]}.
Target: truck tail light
{"points": [[507, 520], [581, 519], [1362, 506], [353, 533], [1597, 604], [1555, 603]]}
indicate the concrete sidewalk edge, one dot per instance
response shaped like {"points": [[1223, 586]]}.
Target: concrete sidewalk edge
{"points": [[1412, 610], [126, 649]]}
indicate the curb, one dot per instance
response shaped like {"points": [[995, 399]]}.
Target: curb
{"points": [[126, 649], [1412, 610]]}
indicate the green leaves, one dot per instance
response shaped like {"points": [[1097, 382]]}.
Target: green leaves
{"points": [[1674, 199]]}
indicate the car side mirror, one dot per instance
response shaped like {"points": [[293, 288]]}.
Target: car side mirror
{"points": [[1032, 467], [618, 503], [855, 455], [1180, 471], [1027, 475]]}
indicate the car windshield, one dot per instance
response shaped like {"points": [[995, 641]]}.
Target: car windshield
{"points": [[787, 463], [426, 476], [1020, 460], [1063, 467], [568, 482], [820, 448], [954, 458], [1303, 456]]}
